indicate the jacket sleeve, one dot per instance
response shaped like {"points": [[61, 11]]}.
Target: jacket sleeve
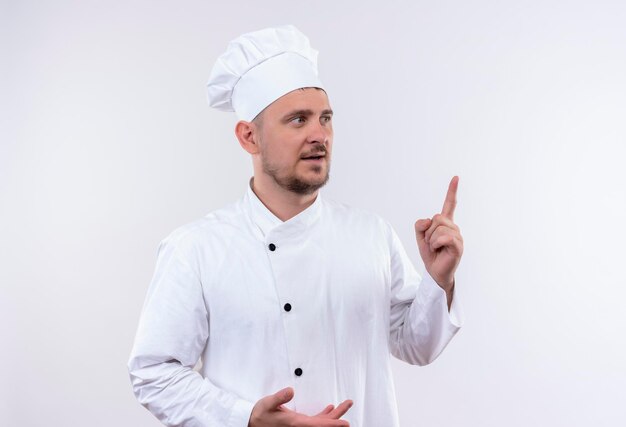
{"points": [[420, 324], [172, 334]]}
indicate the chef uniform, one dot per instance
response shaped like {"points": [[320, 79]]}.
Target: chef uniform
{"points": [[317, 302]]}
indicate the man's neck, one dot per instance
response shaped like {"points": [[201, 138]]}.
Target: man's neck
{"points": [[283, 203]]}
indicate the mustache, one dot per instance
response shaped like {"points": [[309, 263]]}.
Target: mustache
{"points": [[317, 150]]}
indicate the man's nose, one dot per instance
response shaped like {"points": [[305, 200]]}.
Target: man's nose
{"points": [[319, 133]]}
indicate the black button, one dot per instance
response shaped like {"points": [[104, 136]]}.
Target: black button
{"points": [[272, 247], [298, 371], [287, 307]]}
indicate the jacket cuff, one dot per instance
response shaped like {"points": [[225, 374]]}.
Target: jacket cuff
{"points": [[435, 292], [240, 414]]}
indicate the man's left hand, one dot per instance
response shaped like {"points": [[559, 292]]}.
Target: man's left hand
{"points": [[440, 243]]}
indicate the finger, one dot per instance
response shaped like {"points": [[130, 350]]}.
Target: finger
{"points": [[341, 409], [316, 421], [421, 225], [280, 397], [447, 241], [339, 423], [450, 203], [327, 410], [331, 423], [442, 231], [438, 221]]}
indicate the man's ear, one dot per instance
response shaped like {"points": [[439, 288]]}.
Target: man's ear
{"points": [[246, 133]]}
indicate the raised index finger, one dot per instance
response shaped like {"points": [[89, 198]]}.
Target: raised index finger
{"points": [[450, 203]]}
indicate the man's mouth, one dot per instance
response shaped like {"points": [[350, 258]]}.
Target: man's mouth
{"points": [[315, 159], [315, 155]]}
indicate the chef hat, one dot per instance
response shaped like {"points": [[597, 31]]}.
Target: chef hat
{"points": [[260, 67]]}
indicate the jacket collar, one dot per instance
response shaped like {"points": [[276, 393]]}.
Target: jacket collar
{"points": [[266, 222]]}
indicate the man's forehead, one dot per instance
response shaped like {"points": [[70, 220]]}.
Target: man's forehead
{"points": [[313, 99]]}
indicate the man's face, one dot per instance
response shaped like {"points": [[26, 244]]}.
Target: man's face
{"points": [[292, 130]]}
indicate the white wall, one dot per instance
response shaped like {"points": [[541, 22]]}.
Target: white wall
{"points": [[108, 144]]}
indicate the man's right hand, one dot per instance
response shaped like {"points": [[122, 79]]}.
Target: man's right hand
{"points": [[269, 412]]}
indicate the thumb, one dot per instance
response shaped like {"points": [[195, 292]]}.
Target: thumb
{"points": [[280, 397], [421, 225]]}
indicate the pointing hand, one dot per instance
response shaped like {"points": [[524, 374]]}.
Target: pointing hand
{"points": [[439, 241]]}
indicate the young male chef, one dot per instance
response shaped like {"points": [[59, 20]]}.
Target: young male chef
{"points": [[292, 302]]}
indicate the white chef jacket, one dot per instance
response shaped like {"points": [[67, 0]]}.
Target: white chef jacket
{"points": [[317, 302]]}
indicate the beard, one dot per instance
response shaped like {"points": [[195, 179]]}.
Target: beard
{"points": [[294, 183]]}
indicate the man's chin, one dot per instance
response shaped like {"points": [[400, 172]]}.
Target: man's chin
{"points": [[306, 186]]}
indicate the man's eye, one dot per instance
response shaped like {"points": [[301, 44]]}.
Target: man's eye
{"points": [[326, 119], [298, 119]]}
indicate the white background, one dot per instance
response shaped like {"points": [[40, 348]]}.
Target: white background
{"points": [[108, 145]]}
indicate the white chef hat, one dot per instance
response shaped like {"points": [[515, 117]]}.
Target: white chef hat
{"points": [[260, 67]]}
